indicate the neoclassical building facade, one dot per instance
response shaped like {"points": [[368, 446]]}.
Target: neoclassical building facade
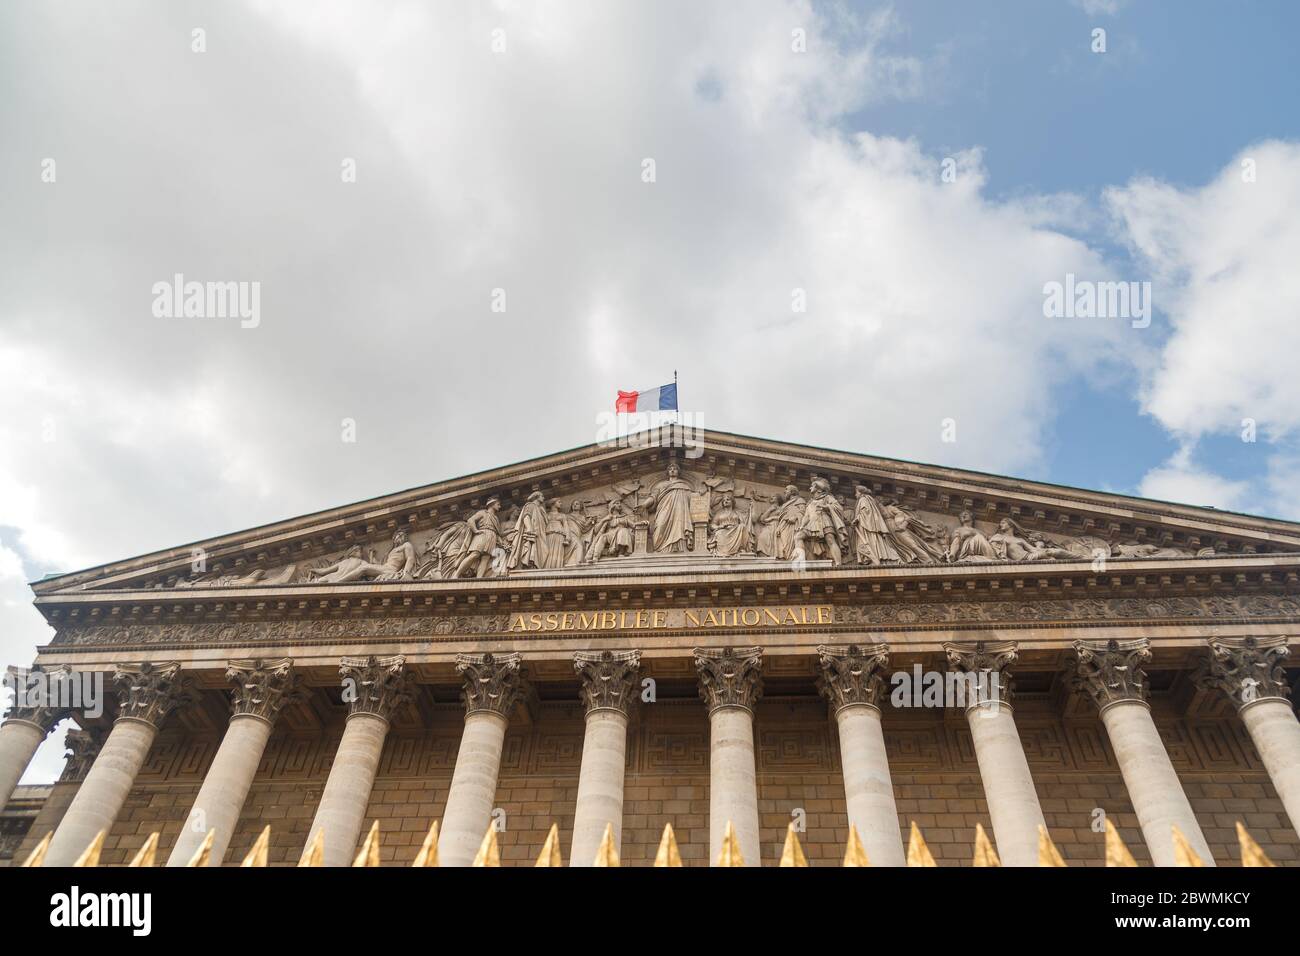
{"points": [[742, 632]]}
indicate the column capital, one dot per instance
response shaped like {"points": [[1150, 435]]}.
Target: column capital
{"points": [[852, 674], [149, 692], [262, 688], [979, 658], [1110, 671], [82, 749], [730, 677], [608, 679], [1247, 669], [38, 696], [494, 683], [374, 686]]}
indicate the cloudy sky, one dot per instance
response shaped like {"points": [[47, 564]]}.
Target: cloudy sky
{"points": [[647, 187]]}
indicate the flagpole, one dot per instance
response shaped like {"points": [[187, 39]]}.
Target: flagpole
{"points": [[677, 410]]}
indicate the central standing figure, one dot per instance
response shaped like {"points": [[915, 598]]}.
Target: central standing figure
{"points": [[670, 501]]}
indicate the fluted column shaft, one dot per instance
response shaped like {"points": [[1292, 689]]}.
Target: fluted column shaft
{"points": [[19, 741], [1111, 673], [731, 684], [851, 681], [373, 687], [494, 685], [607, 688], [1274, 730], [1008, 786]]}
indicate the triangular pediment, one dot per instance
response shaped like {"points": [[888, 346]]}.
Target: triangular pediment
{"points": [[737, 504]]}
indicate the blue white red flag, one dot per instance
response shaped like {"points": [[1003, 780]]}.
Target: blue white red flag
{"points": [[661, 399]]}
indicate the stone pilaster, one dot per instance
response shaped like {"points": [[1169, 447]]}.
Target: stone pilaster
{"points": [[261, 691], [731, 683], [373, 687], [1004, 771], [494, 686], [852, 681], [1111, 674], [1250, 672], [147, 694], [608, 687], [26, 724]]}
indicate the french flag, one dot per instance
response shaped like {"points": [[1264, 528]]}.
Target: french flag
{"points": [[661, 399]]}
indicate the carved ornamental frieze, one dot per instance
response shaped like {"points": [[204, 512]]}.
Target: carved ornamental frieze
{"points": [[730, 677], [375, 686], [1110, 671], [988, 663], [608, 679], [852, 675], [494, 683], [261, 688], [1246, 669], [151, 692], [82, 748]]}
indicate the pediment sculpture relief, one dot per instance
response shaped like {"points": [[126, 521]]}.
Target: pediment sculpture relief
{"points": [[666, 514]]}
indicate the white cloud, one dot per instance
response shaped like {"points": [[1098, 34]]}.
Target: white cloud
{"points": [[1180, 480]]}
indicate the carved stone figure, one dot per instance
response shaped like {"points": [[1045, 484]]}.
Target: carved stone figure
{"points": [[875, 535], [565, 536], [912, 537], [775, 537], [257, 576], [1009, 543], [398, 566], [670, 503], [1135, 550], [822, 530], [730, 530], [529, 545], [968, 543], [484, 538], [613, 534]]}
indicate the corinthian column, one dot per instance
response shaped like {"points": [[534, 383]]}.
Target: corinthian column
{"points": [[262, 688], [851, 683], [373, 688], [494, 685], [731, 683], [147, 694], [1110, 672], [608, 685], [1004, 771], [26, 725], [1249, 670]]}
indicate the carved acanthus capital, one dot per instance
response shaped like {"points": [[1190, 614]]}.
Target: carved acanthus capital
{"points": [[261, 688], [1247, 669], [1110, 671], [988, 663], [608, 679], [42, 695], [150, 692], [494, 683], [730, 677], [852, 675], [82, 749], [375, 686]]}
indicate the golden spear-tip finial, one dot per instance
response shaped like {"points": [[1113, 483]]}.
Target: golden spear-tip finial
{"points": [[203, 855], [257, 856], [314, 853], [1048, 854], [1184, 855], [1117, 853], [368, 855], [792, 852], [90, 856], [668, 854], [550, 855], [148, 853], [985, 855], [1251, 854], [607, 852], [37, 856], [428, 855], [729, 854], [855, 854], [489, 854], [918, 854]]}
